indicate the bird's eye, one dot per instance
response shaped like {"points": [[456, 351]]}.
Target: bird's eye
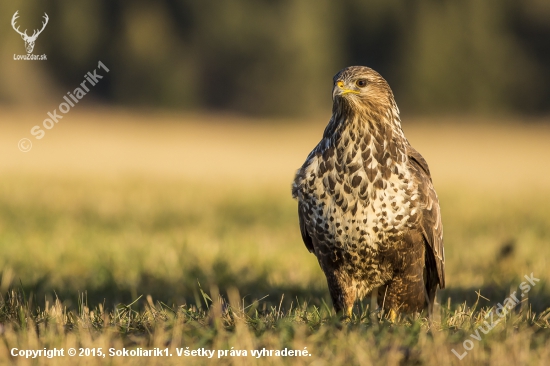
{"points": [[361, 83]]}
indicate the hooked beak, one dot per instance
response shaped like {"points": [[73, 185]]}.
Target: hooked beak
{"points": [[341, 90]]}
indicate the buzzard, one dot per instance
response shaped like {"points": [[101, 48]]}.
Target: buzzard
{"points": [[367, 207]]}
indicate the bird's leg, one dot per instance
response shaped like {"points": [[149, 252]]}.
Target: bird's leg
{"points": [[342, 293], [403, 294], [384, 304], [392, 315]]}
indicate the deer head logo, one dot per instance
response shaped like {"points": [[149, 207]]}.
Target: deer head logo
{"points": [[29, 41]]}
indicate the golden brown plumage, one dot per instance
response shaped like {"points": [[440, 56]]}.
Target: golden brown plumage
{"points": [[367, 207]]}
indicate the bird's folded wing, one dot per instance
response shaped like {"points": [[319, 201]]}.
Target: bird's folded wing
{"points": [[431, 214], [305, 236]]}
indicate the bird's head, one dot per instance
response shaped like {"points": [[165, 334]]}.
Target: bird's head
{"points": [[361, 89]]}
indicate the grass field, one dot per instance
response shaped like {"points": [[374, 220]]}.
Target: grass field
{"points": [[153, 230]]}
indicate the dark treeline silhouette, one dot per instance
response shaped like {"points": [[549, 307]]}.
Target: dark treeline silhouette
{"points": [[278, 57]]}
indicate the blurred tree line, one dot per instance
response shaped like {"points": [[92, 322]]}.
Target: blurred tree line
{"points": [[278, 57]]}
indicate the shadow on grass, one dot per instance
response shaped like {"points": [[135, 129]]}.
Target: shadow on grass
{"points": [[251, 286], [254, 286], [538, 296]]}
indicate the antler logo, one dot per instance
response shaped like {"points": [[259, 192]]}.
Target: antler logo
{"points": [[29, 41]]}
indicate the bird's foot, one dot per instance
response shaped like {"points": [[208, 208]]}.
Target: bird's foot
{"points": [[392, 316]]}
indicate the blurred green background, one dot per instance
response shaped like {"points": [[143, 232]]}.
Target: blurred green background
{"points": [[176, 168], [262, 57]]}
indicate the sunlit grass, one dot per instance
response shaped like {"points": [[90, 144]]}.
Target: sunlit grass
{"points": [[139, 260], [72, 258]]}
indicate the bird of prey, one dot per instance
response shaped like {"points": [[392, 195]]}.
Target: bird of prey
{"points": [[367, 207]]}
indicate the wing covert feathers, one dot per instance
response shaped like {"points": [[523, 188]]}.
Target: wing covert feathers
{"points": [[431, 214]]}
